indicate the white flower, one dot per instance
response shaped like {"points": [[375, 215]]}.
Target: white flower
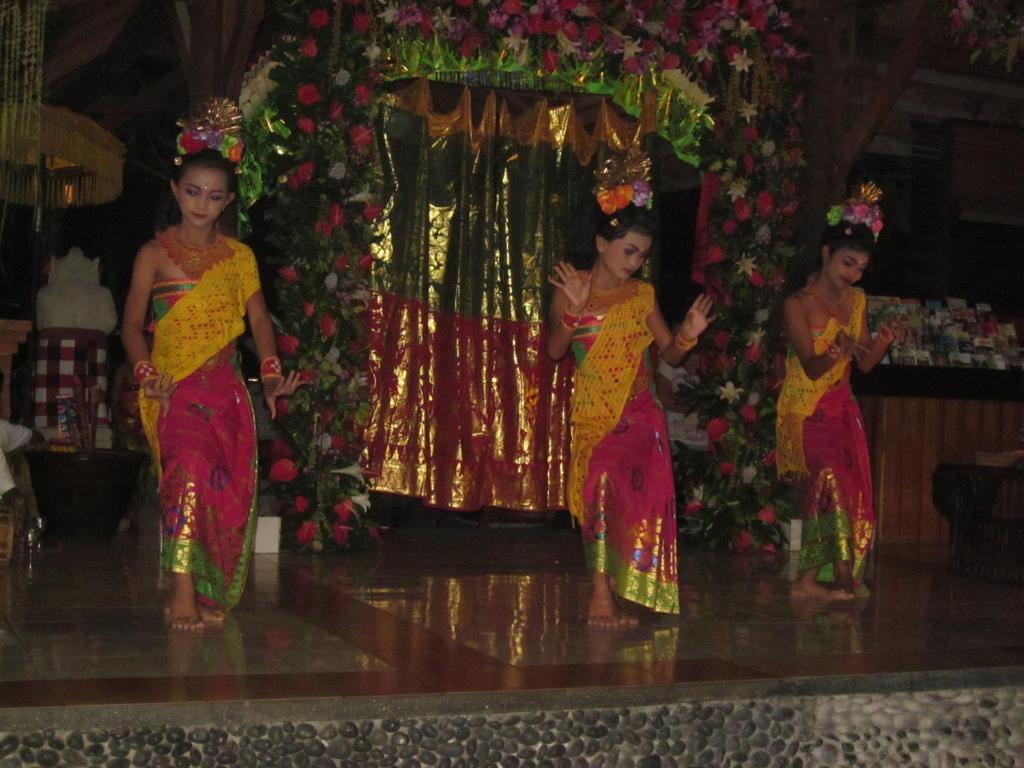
{"points": [[325, 442], [361, 197], [730, 392], [727, 24], [389, 14], [331, 281], [333, 354], [342, 77], [741, 62], [746, 266], [768, 148], [761, 316], [763, 234], [372, 52], [754, 398], [689, 88], [630, 48], [749, 474], [753, 339], [697, 494], [338, 170], [748, 110], [737, 189]]}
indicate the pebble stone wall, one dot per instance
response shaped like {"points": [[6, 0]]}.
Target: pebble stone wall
{"points": [[938, 728]]}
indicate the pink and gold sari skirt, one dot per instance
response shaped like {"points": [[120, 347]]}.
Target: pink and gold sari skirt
{"points": [[208, 486], [838, 512], [629, 525]]}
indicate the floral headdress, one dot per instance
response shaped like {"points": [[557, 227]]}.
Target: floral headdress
{"points": [[860, 208], [622, 179], [218, 126]]}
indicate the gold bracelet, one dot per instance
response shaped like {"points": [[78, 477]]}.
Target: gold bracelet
{"points": [[685, 344], [571, 320]]}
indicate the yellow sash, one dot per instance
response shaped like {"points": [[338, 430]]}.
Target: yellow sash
{"points": [[800, 395], [604, 380], [199, 325]]}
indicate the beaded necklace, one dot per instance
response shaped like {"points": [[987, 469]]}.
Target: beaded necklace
{"points": [[193, 261], [840, 310]]}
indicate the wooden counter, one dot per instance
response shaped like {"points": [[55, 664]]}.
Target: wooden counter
{"points": [[908, 436]]}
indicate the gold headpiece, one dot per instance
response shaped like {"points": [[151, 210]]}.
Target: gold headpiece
{"points": [[860, 208], [217, 126], [624, 178]]}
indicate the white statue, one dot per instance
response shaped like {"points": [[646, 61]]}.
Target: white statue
{"points": [[74, 297]]}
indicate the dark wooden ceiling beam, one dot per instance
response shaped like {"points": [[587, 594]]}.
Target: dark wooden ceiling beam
{"points": [[87, 39]]}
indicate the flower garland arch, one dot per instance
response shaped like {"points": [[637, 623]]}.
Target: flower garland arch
{"points": [[722, 76]]}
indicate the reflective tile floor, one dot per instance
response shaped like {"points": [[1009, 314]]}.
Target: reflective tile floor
{"points": [[459, 609]]}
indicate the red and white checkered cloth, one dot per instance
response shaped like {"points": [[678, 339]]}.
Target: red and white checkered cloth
{"points": [[64, 357]]}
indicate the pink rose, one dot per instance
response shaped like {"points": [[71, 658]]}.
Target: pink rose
{"points": [[361, 137], [308, 94], [750, 133], [308, 309], [727, 468], [328, 325], [288, 273], [306, 124], [372, 211], [340, 534], [283, 471], [308, 47], [765, 204], [319, 18], [769, 459], [361, 23], [714, 254], [693, 508], [335, 112], [366, 261], [766, 515], [741, 209], [307, 532], [756, 279], [550, 60], [716, 429], [741, 541], [301, 503], [363, 95], [748, 413], [730, 226], [344, 510], [753, 353], [289, 345]]}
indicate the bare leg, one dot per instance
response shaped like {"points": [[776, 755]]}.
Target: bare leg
{"points": [[181, 614], [602, 611]]}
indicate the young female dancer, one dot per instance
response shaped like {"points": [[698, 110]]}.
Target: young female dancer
{"points": [[820, 433], [198, 418], [621, 487]]}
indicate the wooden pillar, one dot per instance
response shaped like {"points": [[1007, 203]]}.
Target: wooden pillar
{"points": [[205, 51], [13, 333]]}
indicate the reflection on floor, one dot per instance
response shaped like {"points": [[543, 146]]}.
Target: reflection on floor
{"points": [[470, 610]]}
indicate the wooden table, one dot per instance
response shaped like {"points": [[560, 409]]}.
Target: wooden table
{"points": [[13, 333]]}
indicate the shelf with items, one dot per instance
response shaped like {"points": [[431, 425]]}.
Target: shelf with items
{"points": [[948, 334]]}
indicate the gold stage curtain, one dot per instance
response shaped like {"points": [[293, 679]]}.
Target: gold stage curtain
{"points": [[483, 192]]}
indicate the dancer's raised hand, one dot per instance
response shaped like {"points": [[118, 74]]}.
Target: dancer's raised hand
{"points": [[574, 284], [698, 317], [276, 387]]}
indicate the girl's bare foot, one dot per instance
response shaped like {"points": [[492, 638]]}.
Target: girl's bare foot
{"points": [[601, 611], [806, 587], [181, 614]]}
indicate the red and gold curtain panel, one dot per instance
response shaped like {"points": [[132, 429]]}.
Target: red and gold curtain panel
{"points": [[467, 410]]}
